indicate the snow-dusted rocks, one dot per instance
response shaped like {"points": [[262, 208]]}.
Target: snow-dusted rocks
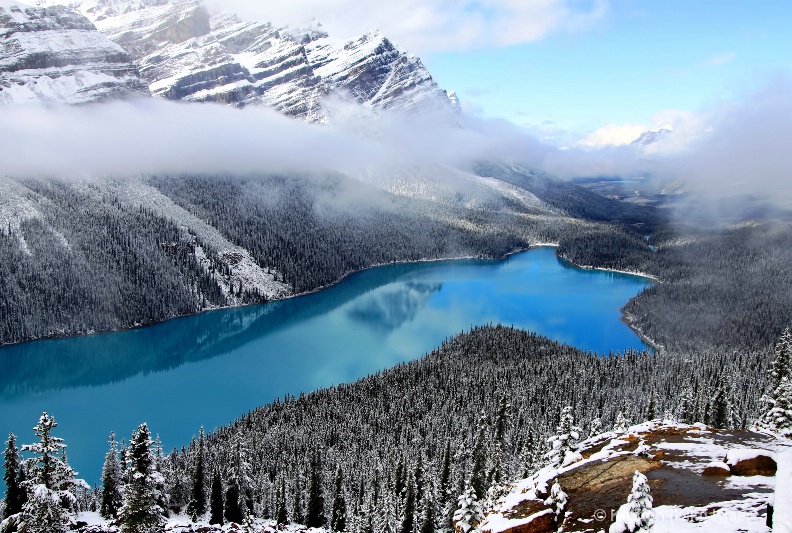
{"points": [[670, 459], [57, 55], [186, 53]]}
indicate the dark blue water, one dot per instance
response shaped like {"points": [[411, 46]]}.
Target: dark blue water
{"points": [[205, 370]]}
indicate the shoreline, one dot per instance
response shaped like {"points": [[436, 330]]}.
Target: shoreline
{"points": [[342, 279]]}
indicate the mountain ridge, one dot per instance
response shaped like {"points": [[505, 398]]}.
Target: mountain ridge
{"points": [[186, 53], [51, 54]]}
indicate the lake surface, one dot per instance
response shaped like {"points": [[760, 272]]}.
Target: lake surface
{"points": [[208, 369]]}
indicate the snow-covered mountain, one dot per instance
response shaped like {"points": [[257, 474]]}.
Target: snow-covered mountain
{"points": [[186, 53], [652, 136], [57, 55]]}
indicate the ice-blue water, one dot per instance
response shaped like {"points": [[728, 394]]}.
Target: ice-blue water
{"points": [[208, 369]]}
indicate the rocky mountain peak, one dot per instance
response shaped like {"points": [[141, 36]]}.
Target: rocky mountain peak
{"points": [[186, 53], [54, 54]]}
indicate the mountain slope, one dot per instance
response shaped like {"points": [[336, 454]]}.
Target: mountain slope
{"points": [[55, 55], [186, 53]]}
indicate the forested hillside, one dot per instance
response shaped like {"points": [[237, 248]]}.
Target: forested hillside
{"points": [[99, 255], [395, 450]]}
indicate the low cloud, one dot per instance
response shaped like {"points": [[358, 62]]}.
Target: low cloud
{"points": [[431, 25], [153, 136], [614, 135], [736, 148]]}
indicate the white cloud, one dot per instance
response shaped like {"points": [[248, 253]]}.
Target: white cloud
{"points": [[739, 147], [430, 25], [614, 135], [151, 136]]}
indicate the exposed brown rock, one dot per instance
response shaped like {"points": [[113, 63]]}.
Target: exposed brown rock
{"points": [[716, 470], [762, 465]]}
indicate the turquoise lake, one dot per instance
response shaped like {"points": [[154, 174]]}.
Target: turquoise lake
{"points": [[208, 369]]}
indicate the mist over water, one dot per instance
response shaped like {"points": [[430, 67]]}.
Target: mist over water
{"points": [[208, 369]]}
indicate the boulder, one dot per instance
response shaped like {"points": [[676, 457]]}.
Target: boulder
{"points": [[749, 462], [717, 469]]}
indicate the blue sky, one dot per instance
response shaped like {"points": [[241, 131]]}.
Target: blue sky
{"points": [[572, 65], [639, 59]]}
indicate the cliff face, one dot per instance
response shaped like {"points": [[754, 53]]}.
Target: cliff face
{"points": [[186, 53], [56, 55]]}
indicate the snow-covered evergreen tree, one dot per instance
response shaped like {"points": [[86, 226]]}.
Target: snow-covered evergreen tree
{"points": [[776, 413], [407, 518], [478, 474], [651, 407], [779, 418], [216, 501], [315, 515], [238, 483], [281, 514], [686, 407], [557, 501], [563, 445], [197, 506], [428, 515], [468, 514], [782, 364], [621, 424], [338, 514], [51, 485], [720, 415], [111, 498], [637, 515], [596, 427], [15, 495], [141, 512]]}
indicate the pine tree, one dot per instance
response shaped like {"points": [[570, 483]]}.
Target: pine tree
{"points": [[782, 364], [721, 409], [621, 423], [502, 421], [563, 445], [407, 522], [386, 522], [51, 484], [281, 515], [236, 495], [557, 501], [297, 507], [468, 514], [15, 493], [596, 427], [775, 412], [216, 501], [197, 505], [651, 408], [779, 418], [428, 523], [338, 519], [141, 512], [635, 516], [112, 499], [478, 474], [686, 406], [314, 517], [445, 472]]}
